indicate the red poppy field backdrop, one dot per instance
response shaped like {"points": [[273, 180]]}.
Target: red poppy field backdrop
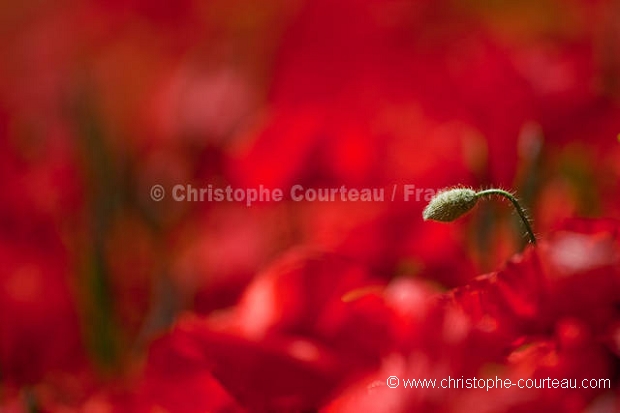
{"points": [[132, 281]]}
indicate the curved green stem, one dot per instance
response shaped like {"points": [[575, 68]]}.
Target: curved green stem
{"points": [[517, 206]]}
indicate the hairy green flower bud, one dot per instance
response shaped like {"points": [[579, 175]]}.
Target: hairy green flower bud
{"points": [[449, 205]]}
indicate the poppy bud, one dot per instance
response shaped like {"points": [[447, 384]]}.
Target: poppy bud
{"points": [[449, 205]]}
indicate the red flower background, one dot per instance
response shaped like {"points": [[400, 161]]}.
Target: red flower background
{"points": [[112, 302]]}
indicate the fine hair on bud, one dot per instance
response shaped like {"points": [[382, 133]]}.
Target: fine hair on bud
{"points": [[450, 204]]}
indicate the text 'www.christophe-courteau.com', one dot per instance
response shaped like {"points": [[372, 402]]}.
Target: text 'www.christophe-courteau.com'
{"points": [[487, 384]]}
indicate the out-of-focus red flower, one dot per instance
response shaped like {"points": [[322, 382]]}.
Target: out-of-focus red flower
{"points": [[550, 312], [305, 327], [573, 273]]}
